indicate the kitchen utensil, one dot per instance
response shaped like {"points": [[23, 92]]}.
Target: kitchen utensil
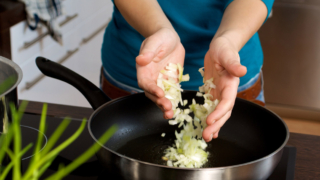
{"points": [[10, 77], [249, 146]]}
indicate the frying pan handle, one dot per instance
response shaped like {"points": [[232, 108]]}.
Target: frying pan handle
{"points": [[92, 93]]}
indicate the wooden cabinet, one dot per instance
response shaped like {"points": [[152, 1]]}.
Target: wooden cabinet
{"points": [[82, 28]]}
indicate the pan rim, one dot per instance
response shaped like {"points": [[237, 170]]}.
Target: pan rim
{"points": [[189, 169]]}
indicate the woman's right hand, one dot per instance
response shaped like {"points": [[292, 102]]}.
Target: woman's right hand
{"points": [[156, 52]]}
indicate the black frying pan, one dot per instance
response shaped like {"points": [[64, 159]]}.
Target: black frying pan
{"points": [[249, 146]]}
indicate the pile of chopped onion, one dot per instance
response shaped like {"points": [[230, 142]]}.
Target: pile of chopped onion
{"points": [[189, 148]]}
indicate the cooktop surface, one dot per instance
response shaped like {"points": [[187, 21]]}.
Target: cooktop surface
{"points": [[92, 170]]}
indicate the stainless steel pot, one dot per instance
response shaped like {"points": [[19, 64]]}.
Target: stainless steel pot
{"points": [[10, 77]]}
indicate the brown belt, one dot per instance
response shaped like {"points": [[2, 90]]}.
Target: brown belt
{"points": [[249, 94], [110, 90], [252, 92]]}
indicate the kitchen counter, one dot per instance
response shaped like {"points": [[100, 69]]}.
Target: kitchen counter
{"points": [[308, 146]]}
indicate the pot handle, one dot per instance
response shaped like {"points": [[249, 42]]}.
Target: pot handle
{"points": [[93, 94]]}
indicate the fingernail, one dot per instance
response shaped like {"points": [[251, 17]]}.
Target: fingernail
{"points": [[211, 137], [140, 55]]}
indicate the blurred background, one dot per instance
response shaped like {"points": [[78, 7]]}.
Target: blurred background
{"points": [[291, 40]]}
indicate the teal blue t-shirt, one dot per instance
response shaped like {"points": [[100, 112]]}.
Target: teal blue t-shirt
{"points": [[196, 22]]}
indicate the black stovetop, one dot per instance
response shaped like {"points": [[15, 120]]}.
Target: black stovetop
{"points": [[92, 170]]}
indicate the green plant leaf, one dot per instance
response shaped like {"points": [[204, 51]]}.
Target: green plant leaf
{"points": [[51, 142], [36, 157], [5, 140], [86, 155], [46, 166], [54, 152], [14, 159], [42, 160], [16, 142], [59, 173], [55, 136]]}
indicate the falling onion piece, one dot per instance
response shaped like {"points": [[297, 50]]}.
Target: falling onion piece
{"points": [[185, 78], [185, 102], [189, 148]]}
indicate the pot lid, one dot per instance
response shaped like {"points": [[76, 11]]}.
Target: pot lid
{"points": [[10, 75]]}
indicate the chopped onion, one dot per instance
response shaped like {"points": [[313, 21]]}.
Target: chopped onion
{"points": [[201, 70], [180, 69], [173, 122], [189, 148], [185, 102], [185, 78], [163, 134]]}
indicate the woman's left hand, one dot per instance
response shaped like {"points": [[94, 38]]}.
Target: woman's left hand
{"points": [[222, 62]]}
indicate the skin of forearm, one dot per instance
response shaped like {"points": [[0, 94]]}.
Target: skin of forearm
{"points": [[145, 16], [241, 19]]}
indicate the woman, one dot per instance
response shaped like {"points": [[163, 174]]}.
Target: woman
{"points": [[145, 35]]}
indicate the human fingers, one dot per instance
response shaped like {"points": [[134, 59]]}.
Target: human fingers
{"points": [[163, 103], [212, 130], [157, 47], [150, 86], [148, 51], [215, 135], [228, 96], [236, 69], [208, 66], [230, 60]]}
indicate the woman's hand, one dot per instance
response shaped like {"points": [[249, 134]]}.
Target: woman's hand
{"points": [[222, 62], [241, 19], [156, 52]]}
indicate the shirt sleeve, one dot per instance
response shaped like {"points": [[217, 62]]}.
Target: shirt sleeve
{"points": [[268, 3]]}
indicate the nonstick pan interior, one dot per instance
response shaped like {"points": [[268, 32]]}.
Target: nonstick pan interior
{"points": [[251, 133]]}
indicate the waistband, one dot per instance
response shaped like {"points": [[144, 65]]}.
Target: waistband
{"points": [[128, 88], [120, 85]]}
